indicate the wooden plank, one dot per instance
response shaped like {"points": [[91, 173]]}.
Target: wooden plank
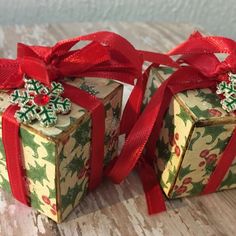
{"points": [[116, 209]]}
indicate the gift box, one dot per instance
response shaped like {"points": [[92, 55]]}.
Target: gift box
{"points": [[194, 134], [57, 159]]}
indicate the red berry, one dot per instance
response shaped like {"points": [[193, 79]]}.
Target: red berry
{"points": [[172, 140], [46, 199], [202, 163], [53, 212], [176, 187], [187, 180], [177, 136], [204, 153], [54, 207], [214, 112], [211, 158], [181, 189], [177, 151]]}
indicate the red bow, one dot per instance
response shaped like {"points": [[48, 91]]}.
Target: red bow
{"points": [[200, 69]]}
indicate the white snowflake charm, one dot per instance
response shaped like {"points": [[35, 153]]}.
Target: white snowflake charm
{"points": [[38, 102], [228, 89]]}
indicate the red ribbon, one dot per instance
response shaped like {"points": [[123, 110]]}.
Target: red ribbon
{"points": [[201, 69]]}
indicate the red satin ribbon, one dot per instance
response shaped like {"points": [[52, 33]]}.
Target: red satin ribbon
{"points": [[12, 146], [96, 108], [198, 73]]}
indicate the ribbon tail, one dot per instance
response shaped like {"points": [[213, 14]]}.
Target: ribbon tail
{"points": [[153, 193], [133, 106], [11, 143]]}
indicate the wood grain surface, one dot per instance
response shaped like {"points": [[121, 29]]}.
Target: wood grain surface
{"points": [[116, 209]]}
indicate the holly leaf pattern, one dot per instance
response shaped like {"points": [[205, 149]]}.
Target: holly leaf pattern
{"points": [[193, 140], [200, 113], [197, 188], [28, 140], [35, 201], [169, 122], [37, 173], [183, 171], [229, 180], [76, 164], [82, 134], [183, 115], [69, 198], [214, 132], [221, 144], [171, 175]]}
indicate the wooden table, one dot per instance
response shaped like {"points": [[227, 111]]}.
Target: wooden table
{"points": [[111, 209]]}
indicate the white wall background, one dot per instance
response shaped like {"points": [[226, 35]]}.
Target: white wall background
{"points": [[216, 16]]}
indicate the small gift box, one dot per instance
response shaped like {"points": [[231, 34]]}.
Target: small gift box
{"points": [[60, 114], [184, 139], [194, 134], [57, 159]]}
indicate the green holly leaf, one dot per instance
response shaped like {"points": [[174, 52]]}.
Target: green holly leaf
{"points": [[193, 140], [210, 98], [28, 140], [37, 173], [200, 113], [162, 183], [52, 193], [35, 201], [82, 134], [163, 150], [197, 188], [183, 171], [76, 164], [213, 131], [221, 144], [183, 115], [50, 149], [171, 175], [70, 197], [229, 180], [169, 119]]}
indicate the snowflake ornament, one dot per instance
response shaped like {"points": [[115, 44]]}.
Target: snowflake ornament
{"points": [[228, 89], [38, 102]]}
